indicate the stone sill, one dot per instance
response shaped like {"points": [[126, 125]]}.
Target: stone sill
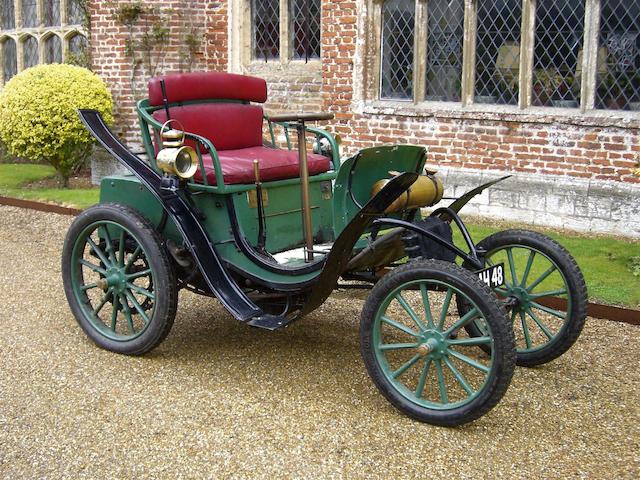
{"points": [[500, 113], [277, 66]]}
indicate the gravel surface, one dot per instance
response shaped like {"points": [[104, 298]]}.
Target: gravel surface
{"points": [[218, 398]]}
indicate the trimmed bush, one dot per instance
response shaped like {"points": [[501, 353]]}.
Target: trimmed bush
{"points": [[39, 119]]}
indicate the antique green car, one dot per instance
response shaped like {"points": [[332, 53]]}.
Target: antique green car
{"points": [[230, 203]]}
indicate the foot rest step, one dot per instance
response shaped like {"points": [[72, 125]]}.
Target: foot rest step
{"points": [[269, 322]]}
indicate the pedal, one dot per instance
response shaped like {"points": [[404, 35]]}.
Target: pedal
{"points": [[269, 322]]}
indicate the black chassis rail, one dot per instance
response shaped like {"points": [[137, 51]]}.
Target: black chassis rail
{"points": [[177, 206]]}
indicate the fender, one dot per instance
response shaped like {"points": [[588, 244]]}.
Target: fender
{"points": [[177, 207], [460, 202]]}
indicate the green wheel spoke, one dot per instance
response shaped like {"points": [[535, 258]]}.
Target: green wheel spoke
{"points": [[399, 326], [114, 313], [397, 346], [445, 308], [137, 306], [541, 278], [467, 342], [551, 311], [489, 262], [406, 366], [541, 325], [127, 313], [527, 269], [423, 378], [88, 286], [513, 316], [93, 267], [140, 290], [102, 303], [407, 308], [459, 377], [512, 265], [141, 273], [98, 251], [134, 256], [427, 305], [466, 318], [442, 386], [525, 329], [121, 241], [109, 244], [501, 291], [469, 361], [561, 291]]}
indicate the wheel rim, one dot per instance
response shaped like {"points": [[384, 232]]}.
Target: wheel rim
{"points": [[112, 279], [532, 279], [418, 348]]}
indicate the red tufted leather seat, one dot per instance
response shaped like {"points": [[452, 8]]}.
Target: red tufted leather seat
{"points": [[235, 129]]}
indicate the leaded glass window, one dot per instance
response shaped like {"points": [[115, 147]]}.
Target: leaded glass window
{"points": [[75, 14], [53, 50], [396, 66], [51, 13], [558, 42], [265, 15], [29, 13], [445, 32], [10, 59], [498, 51], [8, 15], [304, 28], [618, 83], [30, 52], [77, 44]]}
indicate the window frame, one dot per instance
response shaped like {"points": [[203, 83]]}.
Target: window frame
{"points": [[370, 63]]}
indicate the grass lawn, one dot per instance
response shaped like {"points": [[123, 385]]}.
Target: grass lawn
{"points": [[15, 180], [605, 261]]}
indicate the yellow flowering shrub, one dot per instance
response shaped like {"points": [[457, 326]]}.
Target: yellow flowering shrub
{"points": [[39, 114]]}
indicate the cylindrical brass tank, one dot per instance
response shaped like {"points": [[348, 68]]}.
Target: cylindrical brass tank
{"points": [[426, 191]]}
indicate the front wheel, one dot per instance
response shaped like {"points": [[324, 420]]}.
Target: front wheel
{"points": [[413, 344], [118, 279]]}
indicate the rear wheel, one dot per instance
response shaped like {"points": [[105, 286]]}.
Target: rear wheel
{"points": [[118, 279], [545, 293], [413, 350]]}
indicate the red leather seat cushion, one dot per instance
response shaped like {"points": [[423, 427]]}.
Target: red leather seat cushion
{"points": [[275, 164], [182, 87], [228, 125]]}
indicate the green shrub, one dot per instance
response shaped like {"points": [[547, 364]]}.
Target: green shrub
{"points": [[39, 118]]}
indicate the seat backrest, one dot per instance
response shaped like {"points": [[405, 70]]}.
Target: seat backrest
{"points": [[230, 122]]}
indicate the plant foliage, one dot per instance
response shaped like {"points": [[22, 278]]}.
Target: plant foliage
{"points": [[39, 114]]}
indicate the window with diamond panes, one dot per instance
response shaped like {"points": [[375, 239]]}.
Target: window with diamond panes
{"points": [[8, 15], [498, 51], [29, 52], [265, 15], [9, 59], [78, 44], [558, 44], [445, 29], [396, 66], [618, 70], [53, 49], [304, 29], [51, 13], [75, 13], [29, 13]]}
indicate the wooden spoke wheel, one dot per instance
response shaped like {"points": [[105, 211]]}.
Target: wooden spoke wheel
{"points": [[118, 279], [545, 293], [414, 350]]}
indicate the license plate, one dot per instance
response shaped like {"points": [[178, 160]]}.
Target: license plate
{"points": [[492, 276]]}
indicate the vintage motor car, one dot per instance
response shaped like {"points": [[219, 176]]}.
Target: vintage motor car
{"points": [[261, 212]]}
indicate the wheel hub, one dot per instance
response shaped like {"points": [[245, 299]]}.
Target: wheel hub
{"points": [[521, 297], [433, 344], [115, 279]]}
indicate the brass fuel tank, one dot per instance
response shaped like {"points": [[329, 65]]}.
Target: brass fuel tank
{"points": [[426, 191]]}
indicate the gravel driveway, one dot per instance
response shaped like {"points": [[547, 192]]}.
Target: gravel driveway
{"points": [[218, 398]]}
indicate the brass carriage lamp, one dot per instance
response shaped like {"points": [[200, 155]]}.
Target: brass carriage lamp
{"points": [[176, 158]]}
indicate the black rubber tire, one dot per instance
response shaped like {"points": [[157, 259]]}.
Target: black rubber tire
{"points": [[572, 327], [504, 342], [166, 299]]}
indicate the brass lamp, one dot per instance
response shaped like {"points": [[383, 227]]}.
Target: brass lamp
{"points": [[176, 158]]}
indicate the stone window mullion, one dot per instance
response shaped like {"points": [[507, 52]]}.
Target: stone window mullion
{"points": [[420, 51], [469, 51], [527, 47], [63, 12], [590, 55], [285, 54]]}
